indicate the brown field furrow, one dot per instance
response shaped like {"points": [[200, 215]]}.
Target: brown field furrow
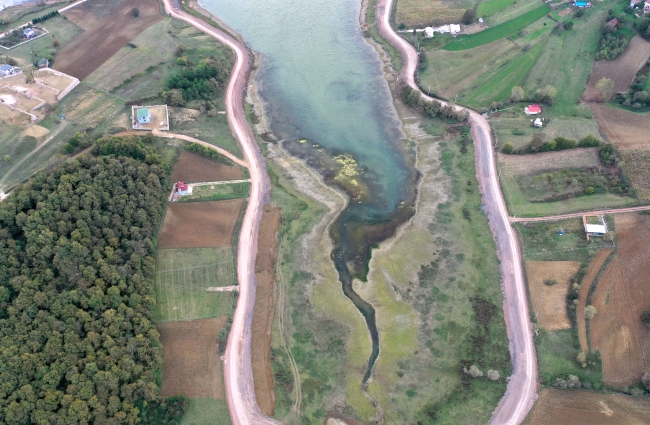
{"points": [[625, 129], [588, 408], [82, 17], [265, 310], [515, 165], [99, 42], [621, 70], [192, 364], [622, 295], [200, 224], [594, 267], [549, 302], [193, 168]]}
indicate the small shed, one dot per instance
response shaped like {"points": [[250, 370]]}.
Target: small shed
{"points": [[454, 29], [595, 229], [533, 110], [43, 63], [538, 123], [29, 32], [7, 70], [144, 116], [428, 32], [183, 189]]}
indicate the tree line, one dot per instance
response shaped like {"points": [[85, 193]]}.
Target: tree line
{"points": [[414, 99], [45, 17], [78, 343]]}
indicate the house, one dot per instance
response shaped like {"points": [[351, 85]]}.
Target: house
{"points": [[595, 229], [43, 63], [454, 29], [538, 123], [144, 116], [533, 110], [183, 189], [428, 32], [581, 4], [29, 32], [7, 70], [646, 7]]}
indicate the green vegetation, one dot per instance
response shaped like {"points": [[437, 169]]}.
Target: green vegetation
{"points": [[45, 17], [463, 42], [637, 98], [206, 411], [163, 412], [490, 7], [206, 81], [217, 192], [208, 153], [182, 279], [76, 272]]}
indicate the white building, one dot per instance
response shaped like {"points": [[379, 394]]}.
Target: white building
{"points": [[7, 70], [454, 29], [428, 32]]}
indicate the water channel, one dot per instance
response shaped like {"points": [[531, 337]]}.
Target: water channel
{"points": [[321, 81]]}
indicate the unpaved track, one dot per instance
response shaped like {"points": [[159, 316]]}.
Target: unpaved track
{"points": [[240, 390], [580, 214], [522, 386]]}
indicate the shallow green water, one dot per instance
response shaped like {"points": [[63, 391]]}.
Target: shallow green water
{"points": [[321, 81]]}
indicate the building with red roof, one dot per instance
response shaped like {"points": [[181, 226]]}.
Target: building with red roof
{"points": [[183, 189], [533, 110]]}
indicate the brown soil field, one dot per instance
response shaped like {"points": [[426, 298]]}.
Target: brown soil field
{"points": [[549, 302], [516, 165], [200, 224], [637, 169], [82, 17], [193, 168], [625, 129], [13, 117], [594, 267], [97, 44], [588, 408], [622, 295], [265, 310], [621, 70], [192, 365]]}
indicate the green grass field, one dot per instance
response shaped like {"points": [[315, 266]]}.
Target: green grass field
{"points": [[463, 42], [182, 276], [556, 356], [490, 7], [206, 411], [220, 192]]}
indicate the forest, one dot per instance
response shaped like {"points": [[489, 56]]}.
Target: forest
{"points": [[78, 343]]}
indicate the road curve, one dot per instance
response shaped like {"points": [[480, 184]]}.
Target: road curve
{"points": [[580, 214], [238, 374], [522, 386]]}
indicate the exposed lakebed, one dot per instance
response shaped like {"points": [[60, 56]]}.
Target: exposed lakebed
{"points": [[326, 95]]}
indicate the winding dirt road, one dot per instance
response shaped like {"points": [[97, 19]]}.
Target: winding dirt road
{"points": [[240, 390], [522, 386]]}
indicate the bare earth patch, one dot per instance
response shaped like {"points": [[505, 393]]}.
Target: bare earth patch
{"points": [[549, 302], [193, 168], [82, 17], [637, 168], [625, 129], [517, 165], [621, 70], [36, 131], [265, 310], [594, 267], [581, 407], [622, 295], [200, 224], [192, 365]]}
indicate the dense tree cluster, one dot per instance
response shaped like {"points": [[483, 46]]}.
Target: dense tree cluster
{"points": [[45, 17], [414, 99], [206, 81], [77, 339], [208, 153], [638, 96]]}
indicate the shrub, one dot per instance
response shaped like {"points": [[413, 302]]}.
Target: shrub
{"points": [[645, 317], [579, 13], [568, 25], [590, 190], [469, 16], [564, 143], [507, 148], [135, 12], [608, 154], [589, 142]]}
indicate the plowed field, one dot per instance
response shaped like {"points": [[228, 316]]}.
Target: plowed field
{"points": [[625, 129], [192, 365], [200, 224], [549, 302], [193, 168], [555, 407], [265, 310], [622, 295], [516, 165], [621, 70], [594, 267], [99, 42]]}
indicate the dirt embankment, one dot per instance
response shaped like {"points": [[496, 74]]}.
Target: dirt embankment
{"points": [[265, 310], [102, 40], [617, 330], [594, 267], [193, 168]]}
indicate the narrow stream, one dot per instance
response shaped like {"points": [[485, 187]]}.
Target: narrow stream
{"points": [[322, 82]]}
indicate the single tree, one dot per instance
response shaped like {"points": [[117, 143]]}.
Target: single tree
{"points": [[507, 148], [606, 88], [135, 12], [590, 312], [517, 94], [469, 16]]}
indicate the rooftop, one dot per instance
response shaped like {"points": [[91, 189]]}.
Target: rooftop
{"points": [[143, 112]]}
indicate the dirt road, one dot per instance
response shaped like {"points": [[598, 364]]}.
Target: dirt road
{"points": [[522, 386], [238, 371], [580, 214]]}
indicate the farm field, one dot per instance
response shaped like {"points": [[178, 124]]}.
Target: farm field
{"points": [[87, 53], [421, 12], [490, 7], [193, 168], [621, 70], [192, 365], [206, 411], [621, 296], [625, 129], [637, 169], [595, 267], [463, 42], [548, 285], [101, 8], [183, 277], [265, 310], [217, 192], [82, 17], [582, 407], [509, 12], [516, 165], [200, 224]]}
